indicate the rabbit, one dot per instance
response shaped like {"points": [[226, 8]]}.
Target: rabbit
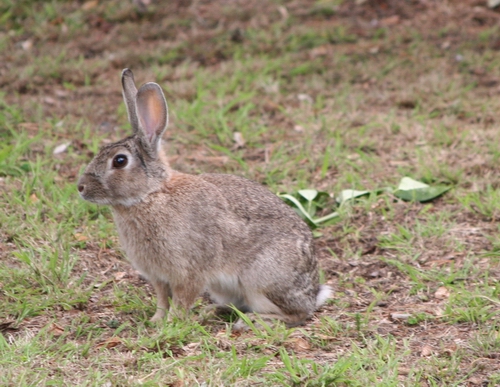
{"points": [[188, 234]]}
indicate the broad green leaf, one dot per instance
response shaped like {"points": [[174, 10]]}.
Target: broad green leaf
{"points": [[407, 184], [312, 194], [311, 208], [300, 208], [348, 194], [322, 194], [413, 190], [308, 194], [326, 217], [421, 194]]}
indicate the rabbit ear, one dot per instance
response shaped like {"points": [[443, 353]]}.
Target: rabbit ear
{"points": [[152, 112], [129, 95]]}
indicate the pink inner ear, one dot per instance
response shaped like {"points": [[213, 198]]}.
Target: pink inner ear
{"points": [[151, 111]]}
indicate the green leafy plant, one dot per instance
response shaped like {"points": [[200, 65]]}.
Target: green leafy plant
{"points": [[307, 202], [348, 194]]}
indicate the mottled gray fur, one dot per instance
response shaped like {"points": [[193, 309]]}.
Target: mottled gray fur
{"points": [[187, 233]]}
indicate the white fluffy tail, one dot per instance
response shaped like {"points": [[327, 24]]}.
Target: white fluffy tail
{"points": [[324, 294]]}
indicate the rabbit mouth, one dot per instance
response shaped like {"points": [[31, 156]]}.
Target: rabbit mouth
{"points": [[93, 191], [92, 196], [125, 202], [94, 199]]}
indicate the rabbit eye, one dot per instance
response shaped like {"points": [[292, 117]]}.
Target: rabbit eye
{"points": [[120, 161]]}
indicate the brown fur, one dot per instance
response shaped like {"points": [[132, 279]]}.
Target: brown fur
{"points": [[188, 234]]}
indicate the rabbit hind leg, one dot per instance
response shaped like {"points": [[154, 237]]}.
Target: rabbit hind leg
{"points": [[270, 319], [183, 298], [262, 307]]}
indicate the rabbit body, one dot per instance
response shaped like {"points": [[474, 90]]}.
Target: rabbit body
{"points": [[211, 232]]}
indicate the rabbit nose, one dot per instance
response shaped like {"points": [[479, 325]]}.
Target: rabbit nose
{"points": [[81, 187]]}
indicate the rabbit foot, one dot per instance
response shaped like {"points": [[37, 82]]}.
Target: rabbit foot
{"points": [[159, 315], [258, 321], [215, 312], [217, 309], [178, 313], [240, 326]]}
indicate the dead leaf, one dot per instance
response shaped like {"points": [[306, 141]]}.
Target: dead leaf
{"points": [[49, 100], [192, 349], [56, 21], [56, 330], [88, 5], [327, 338], [305, 98], [177, 383], [80, 237], [33, 127], [236, 332], [298, 344], [403, 371], [400, 316], [446, 45], [27, 44], [390, 21], [476, 381], [61, 93], [319, 51], [426, 351], [109, 343], [440, 262], [442, 293], [450, 349], [270, 106], [61, 148], [239, 140], [120, 275], [283, 12]]}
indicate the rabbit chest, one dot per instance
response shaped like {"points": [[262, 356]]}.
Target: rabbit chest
{"points": [[170, 239]]}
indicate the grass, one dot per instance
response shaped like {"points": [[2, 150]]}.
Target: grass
{"points": [[320, 103]]}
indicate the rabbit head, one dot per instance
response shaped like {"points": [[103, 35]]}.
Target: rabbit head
{"points": [[125, 172]]}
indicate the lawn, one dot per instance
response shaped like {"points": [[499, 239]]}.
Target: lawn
{"points": [[328, 95]]}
